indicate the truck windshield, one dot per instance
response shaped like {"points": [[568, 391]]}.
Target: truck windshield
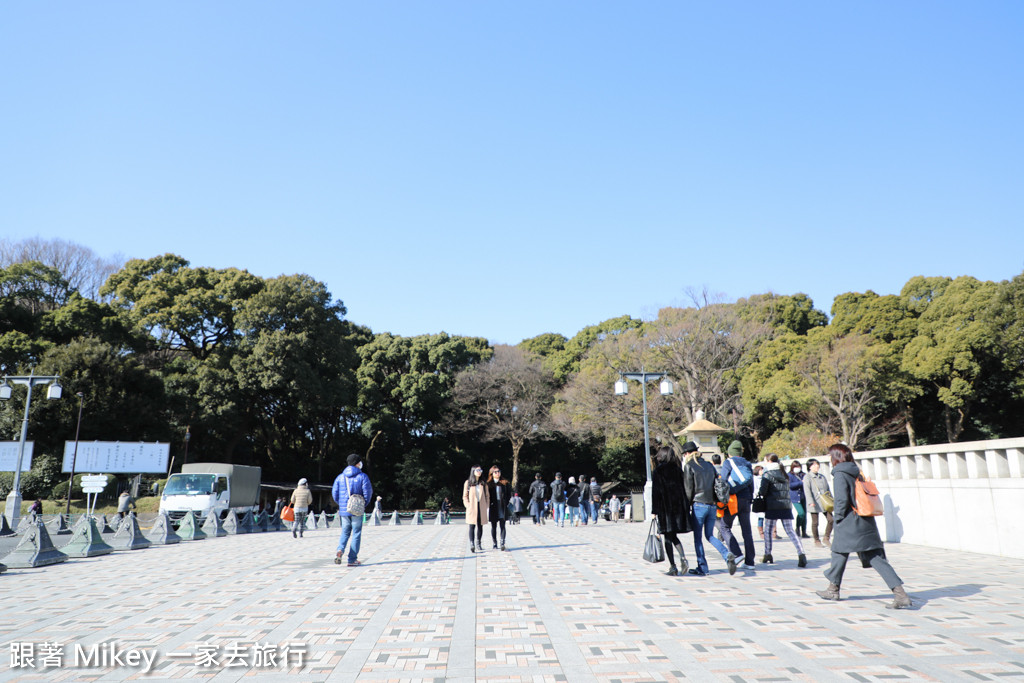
{"points": [[190, 484]]}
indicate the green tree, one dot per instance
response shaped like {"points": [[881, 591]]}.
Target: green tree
{"points": [[190, 309], [563, 363], [892, 324], [404, 385], [956, 342], [296, 364], [792, 313], [843, 372]]}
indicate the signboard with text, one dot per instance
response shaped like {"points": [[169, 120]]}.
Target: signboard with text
{"points": [[117, 456], [9, 456]]}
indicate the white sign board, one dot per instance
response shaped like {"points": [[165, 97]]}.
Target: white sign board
{"points": [[9, 456], [117, 456], [94, 483]]}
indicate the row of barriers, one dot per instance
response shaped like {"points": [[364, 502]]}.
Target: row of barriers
{"points": [[36, 547]]}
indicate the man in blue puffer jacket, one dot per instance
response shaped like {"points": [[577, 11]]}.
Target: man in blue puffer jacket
{"points": [[352, 481]]}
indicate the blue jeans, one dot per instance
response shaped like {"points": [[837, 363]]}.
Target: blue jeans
{"points": [[574, 514], [584, 509], [351, 526], [703, 519], [560, 513]]}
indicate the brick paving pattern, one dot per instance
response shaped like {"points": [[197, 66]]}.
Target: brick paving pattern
{"points": [[565, 604]]}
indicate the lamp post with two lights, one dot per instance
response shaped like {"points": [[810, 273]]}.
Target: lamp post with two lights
{"points": [[665, 387]]}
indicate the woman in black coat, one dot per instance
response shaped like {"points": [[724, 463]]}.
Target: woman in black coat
{"points": [[778, 507], [670, 506], [855, 534], [498, 488]]}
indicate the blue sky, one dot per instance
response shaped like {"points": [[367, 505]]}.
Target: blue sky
{"points": [[507, 169]]}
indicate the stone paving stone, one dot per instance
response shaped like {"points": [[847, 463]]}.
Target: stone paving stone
{"points": [[566, 604]]}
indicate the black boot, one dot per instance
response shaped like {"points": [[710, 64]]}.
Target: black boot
{"points": [[801, 560]]}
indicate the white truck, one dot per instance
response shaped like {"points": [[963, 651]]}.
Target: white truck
{"points": [[206, 486]]}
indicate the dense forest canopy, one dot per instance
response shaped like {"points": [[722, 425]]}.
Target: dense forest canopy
{"points": [[270, 372]]}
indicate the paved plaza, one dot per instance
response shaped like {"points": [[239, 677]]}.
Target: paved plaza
{"points": [[566, 604]]}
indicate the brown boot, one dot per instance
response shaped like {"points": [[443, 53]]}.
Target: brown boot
{"points": [[900, 599], [830, 593]]}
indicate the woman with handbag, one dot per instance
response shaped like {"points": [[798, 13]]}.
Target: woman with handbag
{"points": [[856, 534], [477, 500], [778, 507], [301, 498], [819, 500], [670, 506]]}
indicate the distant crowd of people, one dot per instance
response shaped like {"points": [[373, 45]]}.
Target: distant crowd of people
{"points": [[574, 501]]}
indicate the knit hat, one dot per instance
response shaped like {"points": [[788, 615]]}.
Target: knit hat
{"points": [[735, 449], [302, 482], [354, 459], [689, 447]]}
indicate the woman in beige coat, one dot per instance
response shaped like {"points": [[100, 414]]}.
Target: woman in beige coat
{"points": [[477, 500], [301, 498]]}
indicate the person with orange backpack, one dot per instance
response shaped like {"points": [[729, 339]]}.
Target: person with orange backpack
{"points": [[855, 530]]}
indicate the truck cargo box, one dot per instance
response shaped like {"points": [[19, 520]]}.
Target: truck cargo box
{"points": [[245, 480]]}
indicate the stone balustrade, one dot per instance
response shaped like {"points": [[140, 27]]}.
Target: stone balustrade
{"points": [[962, 496]]}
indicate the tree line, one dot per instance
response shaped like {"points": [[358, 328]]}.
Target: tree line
{"points": [[228, 366]]}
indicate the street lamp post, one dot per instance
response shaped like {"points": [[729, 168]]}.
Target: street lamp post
{"points": [[13, 509], [621, 389], [74, 455]]}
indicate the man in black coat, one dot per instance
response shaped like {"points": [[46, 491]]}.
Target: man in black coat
{"points": [[537, 490]]}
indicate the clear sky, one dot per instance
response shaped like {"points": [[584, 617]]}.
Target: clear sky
{"points": [[503, 169]]}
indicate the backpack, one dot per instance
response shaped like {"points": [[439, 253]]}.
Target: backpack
{"points": [[356, 503], [869, 503], [722, 492], [558, 491]]}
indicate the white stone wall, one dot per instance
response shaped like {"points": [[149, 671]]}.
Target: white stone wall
{"points": [[962, 496]]}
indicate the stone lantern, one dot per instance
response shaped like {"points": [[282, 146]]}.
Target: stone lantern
{"points": [[703, 433]]}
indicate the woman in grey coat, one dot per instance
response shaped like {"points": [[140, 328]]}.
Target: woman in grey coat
{"points": [[815, 484], [856, 534]]}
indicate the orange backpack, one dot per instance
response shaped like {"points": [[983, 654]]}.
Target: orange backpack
{"points": [[869, 503]]}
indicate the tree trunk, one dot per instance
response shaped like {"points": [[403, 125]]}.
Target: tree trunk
{"points": [[517, 444], [911, 434]]}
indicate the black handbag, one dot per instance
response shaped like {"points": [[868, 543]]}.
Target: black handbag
{"points": [[654, 550], [758, 505]]}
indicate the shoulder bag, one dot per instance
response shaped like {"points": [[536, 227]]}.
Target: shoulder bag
{"points": [[654, 550], [288, 513], [356, 503], [869, 503]]}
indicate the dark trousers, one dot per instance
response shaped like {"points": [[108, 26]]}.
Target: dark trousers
{"points": [[725, 527], [873, 558], [495, 523], [476, 529]]}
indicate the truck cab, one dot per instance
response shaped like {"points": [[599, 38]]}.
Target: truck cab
{"points": [[206, 487]]}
